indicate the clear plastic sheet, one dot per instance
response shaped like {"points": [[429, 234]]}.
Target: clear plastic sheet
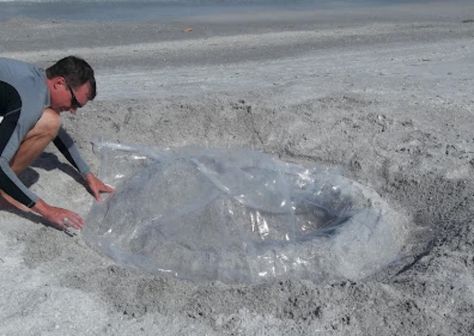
{"points": [[237, 215]]}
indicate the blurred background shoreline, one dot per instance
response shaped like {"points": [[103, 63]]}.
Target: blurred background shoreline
{"points": [[138, 11]]}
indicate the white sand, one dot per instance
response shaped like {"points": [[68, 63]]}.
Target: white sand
{"points": [[388, 96]]}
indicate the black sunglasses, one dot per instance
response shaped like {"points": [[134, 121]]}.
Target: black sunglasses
{"points": [[74, 102]]}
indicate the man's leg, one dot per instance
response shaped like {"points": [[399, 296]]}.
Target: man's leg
{"points": [[36, 140], [34, 143]]}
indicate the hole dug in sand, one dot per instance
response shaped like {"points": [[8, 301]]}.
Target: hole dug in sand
{"points": [[239, 216]]}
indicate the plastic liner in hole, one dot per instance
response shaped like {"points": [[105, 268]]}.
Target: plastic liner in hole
{"points": [[238, 216]]}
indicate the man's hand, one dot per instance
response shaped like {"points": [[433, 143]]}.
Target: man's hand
{"points": [[96, 186], [62, 219]]}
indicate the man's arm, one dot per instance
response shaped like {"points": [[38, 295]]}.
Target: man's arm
{"points": [[13, 187], [67, 147]]}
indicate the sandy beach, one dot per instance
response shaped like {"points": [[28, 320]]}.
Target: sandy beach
{"points": [[384, 94]]}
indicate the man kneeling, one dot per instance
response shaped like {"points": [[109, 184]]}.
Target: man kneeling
{"points": [[31, 100]]}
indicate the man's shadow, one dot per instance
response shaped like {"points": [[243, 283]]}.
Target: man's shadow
{"points": [[48, 162]]}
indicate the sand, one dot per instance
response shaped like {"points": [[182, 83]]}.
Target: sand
{"points": [[385, 94]]}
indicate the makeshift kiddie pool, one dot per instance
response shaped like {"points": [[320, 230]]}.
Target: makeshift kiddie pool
{"points": [[238, 215]]}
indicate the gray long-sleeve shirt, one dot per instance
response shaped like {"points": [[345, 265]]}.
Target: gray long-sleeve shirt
{"points": [[23, 97]]}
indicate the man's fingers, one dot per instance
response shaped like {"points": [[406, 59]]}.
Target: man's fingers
{"points": [[95, 193], [98, 187], [71, 223], [78, 221], [108, 188], [72, 220], [103, 188]]}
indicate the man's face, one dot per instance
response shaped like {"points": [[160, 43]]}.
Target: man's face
{"points": [[66, 98]]}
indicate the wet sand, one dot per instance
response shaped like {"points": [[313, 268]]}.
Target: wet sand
{"points": [[385, 96]]}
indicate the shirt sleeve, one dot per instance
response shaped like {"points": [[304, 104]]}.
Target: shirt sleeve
{"points": [[9, 142], [68, 148], [12, 185]]}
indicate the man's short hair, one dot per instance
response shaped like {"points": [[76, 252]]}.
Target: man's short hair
{"points": [[75, 71]]}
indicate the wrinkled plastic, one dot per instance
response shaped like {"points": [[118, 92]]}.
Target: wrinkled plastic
{"points": [[238, 216]]}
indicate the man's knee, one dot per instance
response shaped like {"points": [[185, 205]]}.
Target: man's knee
{"points": [[36, 140]]}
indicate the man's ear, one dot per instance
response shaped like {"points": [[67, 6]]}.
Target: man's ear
{"points": [[58, 81]]}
